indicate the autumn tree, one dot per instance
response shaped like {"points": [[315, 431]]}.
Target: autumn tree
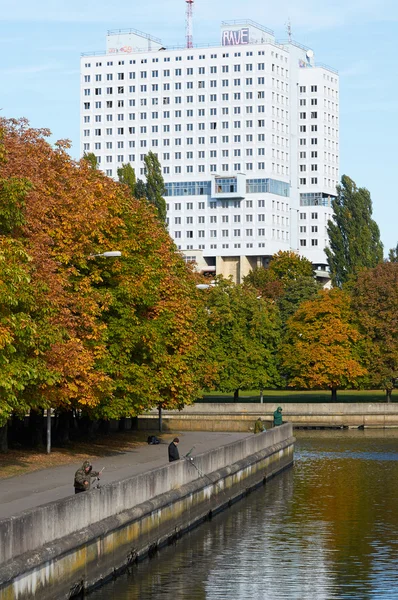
{"points": [[126, 175], [119, 335], [375, 302], [295, 292], [354, 237], [155, 188], [244, 332], [284, 266], [322, 345]]}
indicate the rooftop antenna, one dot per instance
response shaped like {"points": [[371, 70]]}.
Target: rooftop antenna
{"points": [[189, 23], [289, 30]]}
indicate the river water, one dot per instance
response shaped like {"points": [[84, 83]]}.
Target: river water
{"points": [[326, 529]]}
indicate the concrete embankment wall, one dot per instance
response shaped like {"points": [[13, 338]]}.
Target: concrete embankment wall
{"points": [[57, 549], [225, 416]]}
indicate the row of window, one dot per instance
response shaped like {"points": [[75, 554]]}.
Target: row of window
{"points": [[121, 89], [213, 233], [224, 219], [313, 180], [236, 96], [314, 242], [213, 70], [189, 57]]}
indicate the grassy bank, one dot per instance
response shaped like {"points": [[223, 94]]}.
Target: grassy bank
{"points": [[286, 396]]}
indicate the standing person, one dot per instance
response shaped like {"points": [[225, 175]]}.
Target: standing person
{"points": [[258, 426], [83, 477], [173, 450], [278, 417]]}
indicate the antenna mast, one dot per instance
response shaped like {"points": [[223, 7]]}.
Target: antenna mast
{"points": [[289, 30], [189, 23]]}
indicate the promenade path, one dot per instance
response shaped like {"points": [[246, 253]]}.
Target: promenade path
{"points": [[34, 489]]}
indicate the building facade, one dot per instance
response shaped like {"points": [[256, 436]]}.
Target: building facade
{"points": [[247, 133]]}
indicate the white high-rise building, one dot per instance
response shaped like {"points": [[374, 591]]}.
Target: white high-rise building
{"points": [[247, 133]]}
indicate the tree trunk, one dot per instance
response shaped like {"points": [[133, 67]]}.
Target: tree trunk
{"points": [[122, 424], [334, 394], [236, 395], [160, 422], [3, 438], [388, 394]]}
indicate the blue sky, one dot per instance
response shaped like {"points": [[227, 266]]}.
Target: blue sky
{"points": [[41, 42]]}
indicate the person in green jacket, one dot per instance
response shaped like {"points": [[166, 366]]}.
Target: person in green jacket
{"points": [[258, 426], [278, 417], [83, 477]]}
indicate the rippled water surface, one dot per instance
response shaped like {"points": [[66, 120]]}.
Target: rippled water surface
{"points": [[326, 529]]}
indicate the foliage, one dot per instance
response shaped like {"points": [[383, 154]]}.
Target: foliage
{"points": [[375, 302], [295, 293], [393, 254], [140, 189], [116, 335], [289, 266], [155, 188], [321, 348], [244, 334], [91, 159], [126, 175], [354, 236], [285, 266]]}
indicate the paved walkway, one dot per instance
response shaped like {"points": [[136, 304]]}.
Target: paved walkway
{"points": [[34, 489]]}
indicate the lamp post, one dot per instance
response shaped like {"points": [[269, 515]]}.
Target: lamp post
{"points": [[107, 254], [261, 341]]}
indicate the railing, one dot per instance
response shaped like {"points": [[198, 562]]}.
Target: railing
{"points": [[323, 66], [248, 22], [137, 32]]}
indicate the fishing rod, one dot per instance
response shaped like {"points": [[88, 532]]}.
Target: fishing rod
{"points": [[96, 480], [189, 459]]}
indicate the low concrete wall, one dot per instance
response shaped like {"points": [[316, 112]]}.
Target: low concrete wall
{"points": [[240, 417], [57, 549]]}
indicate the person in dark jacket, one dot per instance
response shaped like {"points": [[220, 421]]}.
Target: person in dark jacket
{"points": [[83, 477], [278, 417], [173, 450]]}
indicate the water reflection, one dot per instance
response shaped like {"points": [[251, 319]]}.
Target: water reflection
{"points": [[327, 529]]}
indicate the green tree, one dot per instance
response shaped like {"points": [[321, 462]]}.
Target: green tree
{"points": [[244, 336], [296, 292], [91, 159], [140, 189], [393, 254], [322, 344], [354, 237], [155, 188], [112, 337], [126, 175], [375, 302], [286, 265]]}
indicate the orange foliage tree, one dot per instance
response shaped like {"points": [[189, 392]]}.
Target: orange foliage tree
{"points": [[375, 303], [116, 336], [322, 345]]}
